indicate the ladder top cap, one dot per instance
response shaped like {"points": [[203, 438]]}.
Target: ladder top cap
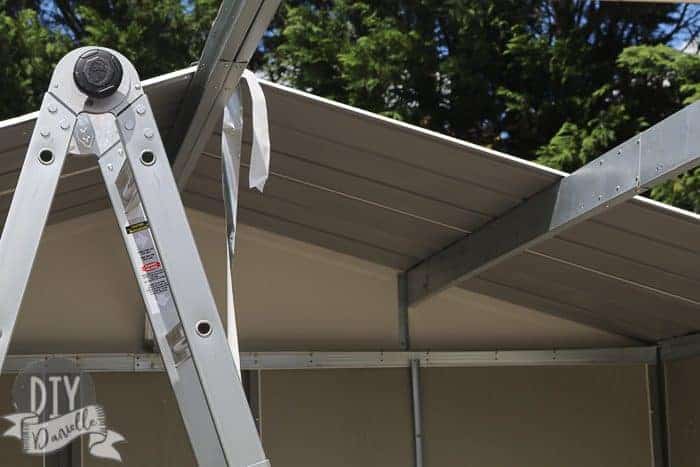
{"points": [[98, 73]]}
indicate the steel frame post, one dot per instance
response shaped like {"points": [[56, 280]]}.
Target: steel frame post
{"points": [[681, 347], [120, 130], [417, 413], [658, 421], [413, 368], [403, 319], [252, 382], [70, 456], [232, 40]]}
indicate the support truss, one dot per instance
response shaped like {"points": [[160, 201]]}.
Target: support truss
{"points": [[232, 40], [658, 154]]}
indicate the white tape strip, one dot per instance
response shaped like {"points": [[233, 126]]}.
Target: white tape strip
{"points": [[260, 154], [231, 142]]}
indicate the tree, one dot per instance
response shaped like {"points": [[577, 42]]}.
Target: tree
{"points": [[649, 84], [28, 53], [559, 81], [158, 36], [533, 78]]}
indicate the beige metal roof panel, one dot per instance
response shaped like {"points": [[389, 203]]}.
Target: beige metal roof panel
{"points": [[333, 171], [632, 269], [299, 231], [391, 193], [548, 304], [316, 167], [323, 208], [646, 313], [657, 223], [624, 277], [290, 295], [381, 143], [461, 318], [602, 259], [80, 189]]}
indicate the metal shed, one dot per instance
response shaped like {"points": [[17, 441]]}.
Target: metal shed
{"points": [[466, 307], [357, 202]]}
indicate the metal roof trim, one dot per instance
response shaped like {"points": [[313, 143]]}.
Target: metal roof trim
{"points": [[186, 73]]}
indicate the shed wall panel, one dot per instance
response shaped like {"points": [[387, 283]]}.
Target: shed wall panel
{"points": [[339, 418], [543, 417], [11, 448], [683, 380], [536, 417]]}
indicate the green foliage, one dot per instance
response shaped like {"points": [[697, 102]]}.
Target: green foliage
{"points": [[349, 43], [28, 53], [556, 81], [650, 83], [552, 80], [159, 36]]}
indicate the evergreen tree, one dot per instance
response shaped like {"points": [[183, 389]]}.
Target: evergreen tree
{"points": [[559, 81]]}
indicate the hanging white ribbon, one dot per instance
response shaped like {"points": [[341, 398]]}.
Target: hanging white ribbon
{"points": [[231, 143]]}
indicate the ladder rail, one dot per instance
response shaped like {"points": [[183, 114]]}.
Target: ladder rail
{"points": [[194, 301], [82, 115], [192, 403], [30, 208]]}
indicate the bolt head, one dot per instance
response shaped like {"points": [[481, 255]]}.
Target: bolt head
{"points": [[98, 73]]}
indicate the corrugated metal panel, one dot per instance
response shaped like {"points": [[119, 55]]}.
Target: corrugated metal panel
{"points": [[648, 314], [368, 180], [391, 193], [80, 189]]}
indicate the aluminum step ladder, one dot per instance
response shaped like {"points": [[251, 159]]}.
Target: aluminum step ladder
{"points": [[95, 106]]}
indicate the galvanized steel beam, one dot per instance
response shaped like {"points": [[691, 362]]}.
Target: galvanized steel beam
{"points": [[403, 318], [658, 154], [232, 40], [417, 414], [680, 347], [136, 363], [658, 421]]}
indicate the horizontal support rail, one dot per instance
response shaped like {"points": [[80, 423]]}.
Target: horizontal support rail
{"points": [[658, 154], [137, 363], [680, 347]]}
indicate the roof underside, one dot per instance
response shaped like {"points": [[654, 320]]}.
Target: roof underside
{"points": [[391, 193]]}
